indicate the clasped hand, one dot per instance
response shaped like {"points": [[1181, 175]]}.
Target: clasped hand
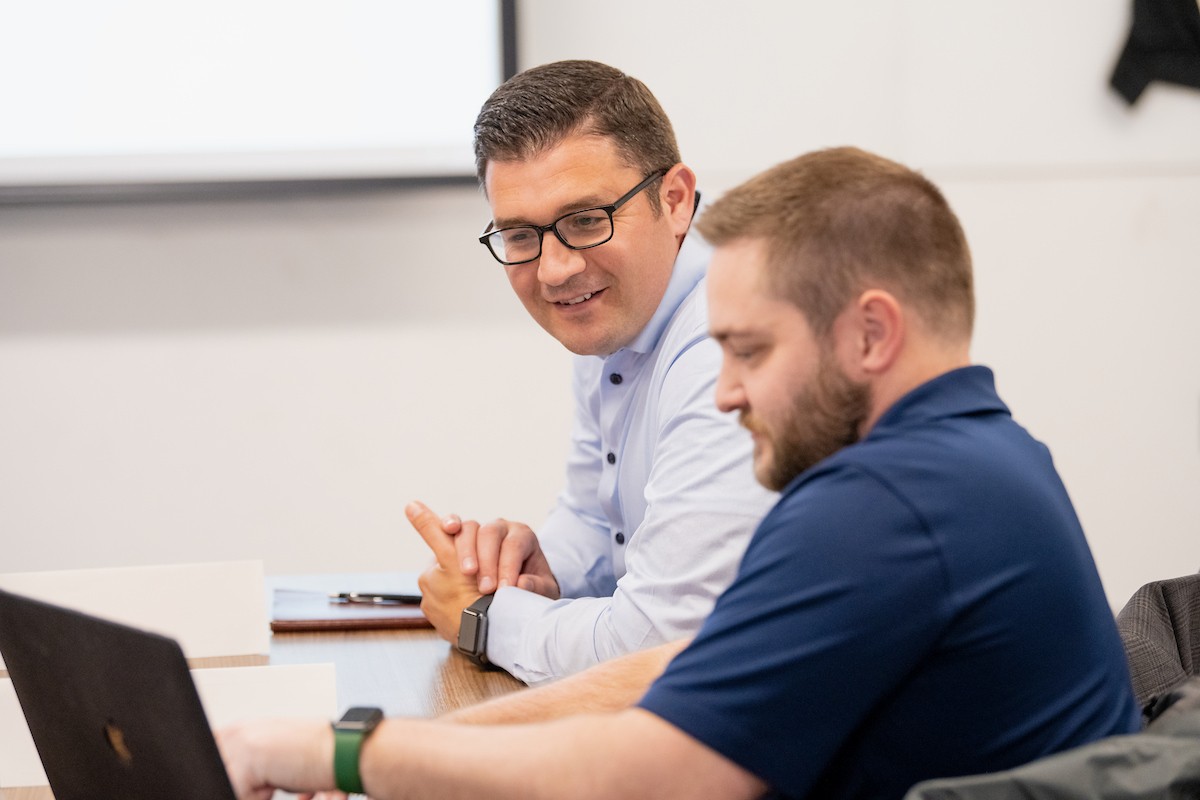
{"points": [[473, 560]]}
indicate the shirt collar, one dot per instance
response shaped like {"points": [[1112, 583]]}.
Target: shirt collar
{"points": [[962, 391], [690, 266], [959, 392]]}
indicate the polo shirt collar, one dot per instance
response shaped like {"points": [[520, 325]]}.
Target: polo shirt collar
{"points": [[959, 392]]}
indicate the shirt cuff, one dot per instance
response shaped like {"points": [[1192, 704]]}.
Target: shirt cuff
{"points": [[508, 619]]}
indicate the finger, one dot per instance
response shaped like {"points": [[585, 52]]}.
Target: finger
{"points": [[464, 547], [547, 587], [514, 550], [487, 551], [452, 524], [430, 527]]}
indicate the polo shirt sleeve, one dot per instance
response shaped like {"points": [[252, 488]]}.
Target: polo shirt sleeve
{"points": [[836, 600]]}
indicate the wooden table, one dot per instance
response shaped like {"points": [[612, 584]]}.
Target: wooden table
{"points": [[412, 673], [406, 673]]}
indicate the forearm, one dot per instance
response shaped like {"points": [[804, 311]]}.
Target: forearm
{"points": [[631, 754], [611, 686]]}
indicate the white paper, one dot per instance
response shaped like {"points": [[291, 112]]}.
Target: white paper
{"points": [[19, 762], [212, 609], [229, 694], [232, 694]]}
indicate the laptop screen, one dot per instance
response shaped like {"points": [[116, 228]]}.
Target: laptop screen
{"points": [[113, 710]]}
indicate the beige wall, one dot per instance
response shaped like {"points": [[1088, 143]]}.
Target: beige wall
{"points": [[276, 377]]}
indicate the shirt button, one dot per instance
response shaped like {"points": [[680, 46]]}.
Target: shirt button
{"points": [[612, 458], [615, 378], [620, 537]]}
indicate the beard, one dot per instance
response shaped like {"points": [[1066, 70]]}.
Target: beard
{"points": [[824, 418]]}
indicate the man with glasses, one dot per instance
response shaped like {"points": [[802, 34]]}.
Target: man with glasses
{"points": [[591, 217], [920, 603]]}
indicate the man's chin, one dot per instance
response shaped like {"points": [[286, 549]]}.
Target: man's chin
{"points": [[577, 341], [764, 468], [587, 342]]}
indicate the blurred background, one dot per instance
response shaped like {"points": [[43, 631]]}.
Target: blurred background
{"points": [[274, 375]]}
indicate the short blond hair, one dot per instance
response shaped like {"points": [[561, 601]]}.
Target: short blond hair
{"points": [[837, 222]]}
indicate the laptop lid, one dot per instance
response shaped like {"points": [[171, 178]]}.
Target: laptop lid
{"points": [[112, 710]]}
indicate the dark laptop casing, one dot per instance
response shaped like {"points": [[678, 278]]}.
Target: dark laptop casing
{"points": [[113, 710]]}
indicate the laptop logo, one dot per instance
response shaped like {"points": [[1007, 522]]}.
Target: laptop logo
{"points": [[116, 740]]}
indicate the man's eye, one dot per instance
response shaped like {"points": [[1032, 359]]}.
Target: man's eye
{"points": [[744, 354], [587, 222]]}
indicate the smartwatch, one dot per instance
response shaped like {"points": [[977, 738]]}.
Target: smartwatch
{"points": [[348, 735], [472, 630]]}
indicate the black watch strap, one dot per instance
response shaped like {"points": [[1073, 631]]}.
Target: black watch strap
{"points": [[473, 630]]}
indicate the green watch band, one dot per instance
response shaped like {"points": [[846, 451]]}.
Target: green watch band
{"points": [[348, 735]]}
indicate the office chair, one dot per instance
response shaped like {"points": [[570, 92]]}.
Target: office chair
{"points": [[1160, 627], [1160, 763]]}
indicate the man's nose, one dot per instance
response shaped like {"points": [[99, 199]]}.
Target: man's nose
{"points": [[558, 263], [729, 394]]}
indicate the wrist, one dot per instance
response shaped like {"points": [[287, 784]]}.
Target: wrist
{"points": [[319, 758], [473, 630], [289, 753], [349, 734]]}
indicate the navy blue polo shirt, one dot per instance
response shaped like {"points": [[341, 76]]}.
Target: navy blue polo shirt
{"points": [[920, 604]]}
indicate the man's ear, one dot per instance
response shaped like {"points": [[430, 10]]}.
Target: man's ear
{"points": [[875, 328], [678, 193]]}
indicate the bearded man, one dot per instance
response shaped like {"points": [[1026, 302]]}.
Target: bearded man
{"points": [[921, 602]]}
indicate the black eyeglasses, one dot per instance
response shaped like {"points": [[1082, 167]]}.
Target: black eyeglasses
{"points": [[579, 230]]}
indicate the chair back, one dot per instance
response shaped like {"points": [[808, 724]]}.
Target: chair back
{"points": [[1160, 627]]}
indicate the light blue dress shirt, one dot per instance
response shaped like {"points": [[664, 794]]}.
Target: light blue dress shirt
{"points": [[659, 505]]}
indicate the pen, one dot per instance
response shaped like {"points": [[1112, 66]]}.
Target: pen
{"points": [[375, 598]]}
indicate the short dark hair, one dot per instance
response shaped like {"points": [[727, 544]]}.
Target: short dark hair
{"points": [[836, 221], [536, 109]]}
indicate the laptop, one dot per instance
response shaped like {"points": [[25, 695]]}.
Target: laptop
{"points": [[113, 710]]}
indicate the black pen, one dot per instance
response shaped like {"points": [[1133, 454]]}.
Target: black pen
{"points": [[375, 598]]}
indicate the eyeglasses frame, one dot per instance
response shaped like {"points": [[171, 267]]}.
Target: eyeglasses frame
{"points": [[542, 230]]}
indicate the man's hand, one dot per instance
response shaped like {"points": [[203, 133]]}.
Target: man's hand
{"points": [[502, 553], [286, 754], [445, 590]]}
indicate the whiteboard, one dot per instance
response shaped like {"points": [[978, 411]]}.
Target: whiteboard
{"points": [[99, 92]]}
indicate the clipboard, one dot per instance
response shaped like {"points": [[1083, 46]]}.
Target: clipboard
{"points": [[301, 603]]}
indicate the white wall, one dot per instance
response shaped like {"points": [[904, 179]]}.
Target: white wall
{"points": [[276, 378], [264, 379]]}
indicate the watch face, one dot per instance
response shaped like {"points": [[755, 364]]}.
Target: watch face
{"points": [[360, 719], [468, 633]]}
